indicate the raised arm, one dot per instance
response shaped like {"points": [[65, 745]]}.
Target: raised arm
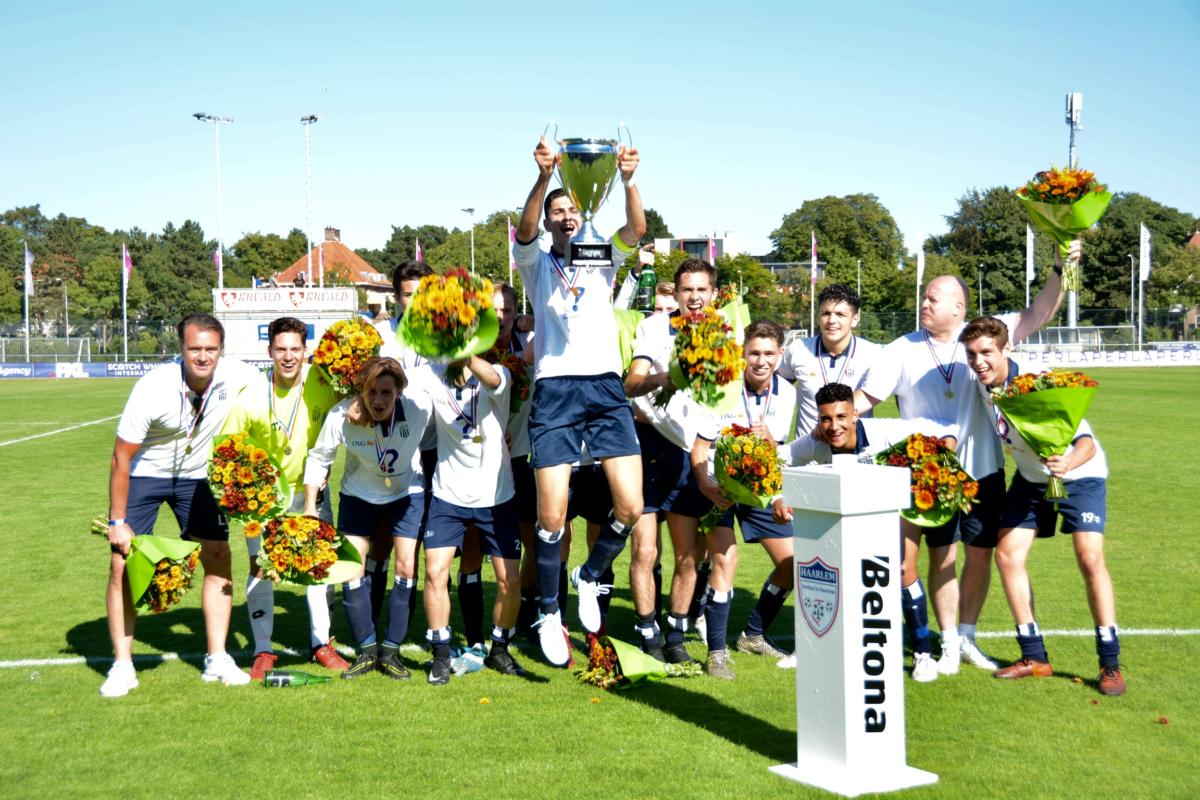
{"points": [[635, 215], [1046, 304], [527, 226]]}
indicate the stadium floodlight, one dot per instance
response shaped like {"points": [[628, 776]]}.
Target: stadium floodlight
{"points": [[220, 255]]}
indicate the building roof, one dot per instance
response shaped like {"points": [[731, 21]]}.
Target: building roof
{"points": [[341, 261]]}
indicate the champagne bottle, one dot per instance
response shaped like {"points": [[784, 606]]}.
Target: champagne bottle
{"points": [[647, 286], [289, 677]]}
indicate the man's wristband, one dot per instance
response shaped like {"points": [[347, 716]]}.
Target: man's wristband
{"points": [[632, 182], [112, 523]]}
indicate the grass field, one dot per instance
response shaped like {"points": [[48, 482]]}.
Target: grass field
{"points": [[546, 736]]}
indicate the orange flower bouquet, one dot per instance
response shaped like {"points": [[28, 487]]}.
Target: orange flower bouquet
{"points": [[159, 570], [305, 550], [344, 347], [519, 373], [613, 664], [1064, 203], [1046, 409], [940, 486], [706, 360], [450, 316], [246, 480], [747, 467]]}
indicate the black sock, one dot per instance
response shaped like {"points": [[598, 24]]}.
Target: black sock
{"points": [[716, 618], [676, 627], [700, 593], [378, 571], [547, 547], [658, 598], [470, 603], [527, 615], [1033, 646], [916, 616], [605, 600], [439, 641], [648, 631], [356, 599], [1108, 646]]}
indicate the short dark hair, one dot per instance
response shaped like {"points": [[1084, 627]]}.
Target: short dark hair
{"points": [[550, 198], [286, 325], [765, 329], [409, 271], [985, 326], [204, 322], [696, 265], [839, 293], [834, 393], [510, 294]]}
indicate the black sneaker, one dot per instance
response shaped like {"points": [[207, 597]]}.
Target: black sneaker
{"points": [[677, 654], [502, 661], [654, 649], [390, 664], [367, 661], [439, 671]]}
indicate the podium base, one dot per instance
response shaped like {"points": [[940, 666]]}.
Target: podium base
{"points": [[852, 783]]}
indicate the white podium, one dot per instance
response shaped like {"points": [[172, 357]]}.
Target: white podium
{"points": [[849, 651]]}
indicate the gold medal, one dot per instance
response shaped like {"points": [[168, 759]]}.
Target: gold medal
{"points": [[187, 451], [477, 438], [949, 394], [287, 451], [387, 482]]}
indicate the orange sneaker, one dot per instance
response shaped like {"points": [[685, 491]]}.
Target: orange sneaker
{"points": [[263, 663], [1111, 682], [328, 657], [1025, 668]]}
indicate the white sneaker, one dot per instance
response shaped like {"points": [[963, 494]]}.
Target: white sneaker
{"points": [[787, 662], [224, 669], [550, 636], [976, 657], [951, 656], [589, 600], [121, 680], [925, 669]]}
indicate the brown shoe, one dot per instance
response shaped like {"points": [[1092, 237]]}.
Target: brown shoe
{"points": [[1111, 682], [1025, 668], [328, 657], [263, 663]]}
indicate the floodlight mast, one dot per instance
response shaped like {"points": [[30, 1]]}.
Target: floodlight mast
{"points": [[220, 259], [307, 122]]}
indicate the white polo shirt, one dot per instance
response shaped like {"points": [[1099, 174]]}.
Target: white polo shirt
{"points": [[174, 440], [374, 453], [577, 332], [470, 473], [680, 419], [774, 406], [418, 369], [810, 365], [1033, 470], [518, 423]]}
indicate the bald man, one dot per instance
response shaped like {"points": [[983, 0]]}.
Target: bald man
{"points": [[927, 372]]}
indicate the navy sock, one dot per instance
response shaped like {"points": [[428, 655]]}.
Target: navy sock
{"points": [[676, 627], [700, 593], [501, 637], [563, 581], [378, 571], [356, 599], [770, 601], [608, 546], [658, 598], [547, 547], [716, 618], [1033, 647], [605, 600], [648, 631], [527, 615], [1108, 646], [412, 587], [916, 616], [397, 626], [439, 641], [470, 603]]}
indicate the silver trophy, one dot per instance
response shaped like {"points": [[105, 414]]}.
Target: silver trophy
{"points": [[587, 170]]}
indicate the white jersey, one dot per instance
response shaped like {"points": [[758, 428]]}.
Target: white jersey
{"points": [[874, 436], [811, 366], [774, 406], [518, 423], [680, 419], [174, 426], [577, 332], [375, 455], [474, 469], [418, 369]]}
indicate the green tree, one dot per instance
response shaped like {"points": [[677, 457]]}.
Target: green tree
{"points": [[179, 272], [401, 246], [656, 227], [262, 255]]}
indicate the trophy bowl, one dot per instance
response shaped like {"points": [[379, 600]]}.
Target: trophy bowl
{"points": [[587, 170]]}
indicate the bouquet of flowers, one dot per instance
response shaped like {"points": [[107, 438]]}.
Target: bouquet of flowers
{"points": [[730, 304], [940, 486], [450, 317], [706, 360], [520, 376], [613, 664], [344, 347], [245, 479], [747, 467], [1046, 410], [159, 570], [304, 550], [1064, 203]]}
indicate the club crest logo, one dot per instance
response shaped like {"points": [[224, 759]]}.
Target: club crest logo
{"points": [[818, 589], [297, 298]]}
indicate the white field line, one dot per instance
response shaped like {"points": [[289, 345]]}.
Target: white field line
{"points": [[60, 430], [157, 658]]}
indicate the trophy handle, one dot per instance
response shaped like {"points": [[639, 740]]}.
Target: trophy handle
{"points": [[628, 136], [548, 124]]}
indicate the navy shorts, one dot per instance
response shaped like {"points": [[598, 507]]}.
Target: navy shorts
{"points": [[357, 517], [664, 467], [571, 409], [190, 498], [526, 490], [981, 527], [685, 498], [589, 497], [1025, 506], [755, 523], [497, 526]]}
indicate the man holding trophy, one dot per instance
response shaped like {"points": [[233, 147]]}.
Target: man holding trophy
{"points": [[578, 395]]}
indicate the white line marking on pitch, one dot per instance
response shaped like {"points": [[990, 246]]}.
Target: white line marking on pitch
{"points": [[155, 658], [60, 430]]}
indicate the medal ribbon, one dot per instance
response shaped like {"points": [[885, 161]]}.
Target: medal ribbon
{"points": [[766, 405], [470, 419], [817, 352], [570, 284], [382, 441], [291, 423], [946, 371], [198, 411]]}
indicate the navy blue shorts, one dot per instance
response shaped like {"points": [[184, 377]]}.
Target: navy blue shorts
{"points": [[190, 498], [497, 526], [685, 497], [589, 497], [663, 467], [981, 527], [357, 517], [1025, 506], [755, 523], [571, 409], [526, 490]]}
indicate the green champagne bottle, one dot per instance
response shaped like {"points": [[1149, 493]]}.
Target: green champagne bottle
{"points": [[647, 286], [290, 677]]}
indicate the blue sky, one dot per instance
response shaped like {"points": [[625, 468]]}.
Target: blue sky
{"points": [[741, 111]]}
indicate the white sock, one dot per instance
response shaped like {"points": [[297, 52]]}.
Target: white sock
{"points": [[950, 637], [966, 631], [260, 604], [318, 614]]}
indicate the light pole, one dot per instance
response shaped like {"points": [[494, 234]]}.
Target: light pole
{"points": [[307, 122], [217, 122], [859, 260], [471, 211]]}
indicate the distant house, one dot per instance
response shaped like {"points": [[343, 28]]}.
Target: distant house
{"points": [[341, 264]]}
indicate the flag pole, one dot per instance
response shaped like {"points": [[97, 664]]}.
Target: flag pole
{"points": [[812, 288], [124, 300], [27, 292]]}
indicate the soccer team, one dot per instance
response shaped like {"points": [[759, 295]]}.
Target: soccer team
{"points": [[435, 462]]}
